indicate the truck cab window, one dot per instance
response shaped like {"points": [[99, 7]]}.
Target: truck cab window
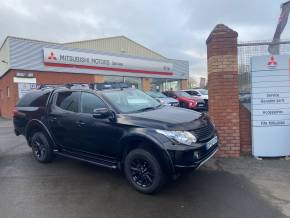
{"points": [[68, 101], [91, 102]]}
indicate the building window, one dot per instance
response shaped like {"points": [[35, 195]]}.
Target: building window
{"points": [[161, 85], [157, 84], [171, 85], [113, 79], [134, 82], [8, 92]]}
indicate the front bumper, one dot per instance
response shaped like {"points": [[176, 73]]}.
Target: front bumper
{"points": [[192, 158], [201, 107], [198, 163], [174, 104]]}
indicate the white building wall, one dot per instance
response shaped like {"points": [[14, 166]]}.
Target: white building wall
{"points": [[4, 57], [119, 45], [26, 54]]}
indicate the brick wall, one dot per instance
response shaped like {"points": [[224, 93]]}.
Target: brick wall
{"points": [[62, 78], [146, 84], [99, 78], [7, 103], [245, 131], [184, 84], [223, 88]]}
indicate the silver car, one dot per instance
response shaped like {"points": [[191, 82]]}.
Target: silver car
{"points": [[163, 99]]}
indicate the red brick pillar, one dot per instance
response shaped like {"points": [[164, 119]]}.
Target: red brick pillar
{"points": [[223, 88], [245, 131]]}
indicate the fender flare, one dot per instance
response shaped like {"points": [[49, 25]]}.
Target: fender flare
{"points": [[37, 123], [162, 152]]}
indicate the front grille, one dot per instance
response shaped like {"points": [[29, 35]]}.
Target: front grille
{"points": [[204, 133], [175, 104], [206, 102]]}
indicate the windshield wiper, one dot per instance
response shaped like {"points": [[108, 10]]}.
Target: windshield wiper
{"points": [[149, 108], [159, 106], [146, 109]]}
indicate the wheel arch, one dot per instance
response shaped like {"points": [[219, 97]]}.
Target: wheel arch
{"points": [[134, 141], [37, 126]]}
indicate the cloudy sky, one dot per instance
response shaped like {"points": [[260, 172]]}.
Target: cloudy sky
{"points": [[175, 28]]}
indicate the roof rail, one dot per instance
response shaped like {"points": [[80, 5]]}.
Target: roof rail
{"points": [[113, 85], [94, 86], [48, 86], [77, 85], [68, 85]]}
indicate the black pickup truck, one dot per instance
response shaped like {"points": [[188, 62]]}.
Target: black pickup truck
{"points": [[118, 128]]}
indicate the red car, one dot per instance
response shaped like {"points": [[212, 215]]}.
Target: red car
{"points": [[185, 100]]}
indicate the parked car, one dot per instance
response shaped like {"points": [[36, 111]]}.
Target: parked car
{"points": [[201, 105], [122, 129], [186, 100], [201, 93], [163, 99], [245, 97]]}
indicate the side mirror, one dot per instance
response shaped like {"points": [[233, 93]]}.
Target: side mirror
{"points": [[102, 113]]}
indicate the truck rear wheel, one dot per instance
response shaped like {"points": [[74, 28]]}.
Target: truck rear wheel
{"points": [[143, 171], [41, 148]]}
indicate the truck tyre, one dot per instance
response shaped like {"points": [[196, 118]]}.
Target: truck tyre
{"points": [[143, 171], [41, 147]]}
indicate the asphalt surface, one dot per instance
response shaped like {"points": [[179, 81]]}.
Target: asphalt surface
{"points": [[69, 188]]}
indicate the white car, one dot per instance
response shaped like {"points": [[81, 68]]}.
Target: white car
{"points": [[203, 93]]}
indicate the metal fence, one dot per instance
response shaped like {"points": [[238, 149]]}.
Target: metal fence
{"points": [[246, 50]]}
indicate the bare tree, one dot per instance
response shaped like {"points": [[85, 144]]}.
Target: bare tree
{"points": [[192, 83]]}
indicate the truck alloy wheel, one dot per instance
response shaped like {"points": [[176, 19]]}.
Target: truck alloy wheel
{"points": [[143, 171]]}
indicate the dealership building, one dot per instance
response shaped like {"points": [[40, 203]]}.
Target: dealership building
{"points": [[26, 63]]}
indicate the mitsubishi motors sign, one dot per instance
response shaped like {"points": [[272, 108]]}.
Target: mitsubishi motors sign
{"points": [[82, 60], [270, 105]]}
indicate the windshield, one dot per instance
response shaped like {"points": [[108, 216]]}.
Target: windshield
{"points": [[156, 94], [131, 100], [203, 91], [183, 94]]}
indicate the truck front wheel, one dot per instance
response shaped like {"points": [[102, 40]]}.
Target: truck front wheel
{"points": [[143, 171]]}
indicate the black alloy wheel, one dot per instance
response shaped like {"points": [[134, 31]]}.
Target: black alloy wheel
{"points": [[143, 171], [41, 148]]}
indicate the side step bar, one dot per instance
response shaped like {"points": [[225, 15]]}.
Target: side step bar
{"points": [[94, 161]]}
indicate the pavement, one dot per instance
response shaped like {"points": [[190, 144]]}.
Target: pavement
{"points": [[241, 187]]}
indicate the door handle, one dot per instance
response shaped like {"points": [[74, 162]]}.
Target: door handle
{"points": [[80, 123]]}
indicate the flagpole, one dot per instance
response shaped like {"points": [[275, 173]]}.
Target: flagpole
{"points": [[274, 46]]}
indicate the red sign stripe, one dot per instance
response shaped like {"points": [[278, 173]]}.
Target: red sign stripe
{"points": [[108, 69]]}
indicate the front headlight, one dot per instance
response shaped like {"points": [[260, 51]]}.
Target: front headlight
{"points": [[182, 137]]}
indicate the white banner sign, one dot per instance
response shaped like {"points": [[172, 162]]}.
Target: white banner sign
{"points": [[270, 106], [73, 59], [24, 88]]}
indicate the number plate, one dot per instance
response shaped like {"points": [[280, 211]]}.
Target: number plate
{"points": [[212, 142]]}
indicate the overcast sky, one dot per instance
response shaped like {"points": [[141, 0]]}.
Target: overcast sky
{"points": [[174, 28]]}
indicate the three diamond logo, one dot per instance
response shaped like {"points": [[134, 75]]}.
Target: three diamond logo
{"points": [[51, 56]]}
